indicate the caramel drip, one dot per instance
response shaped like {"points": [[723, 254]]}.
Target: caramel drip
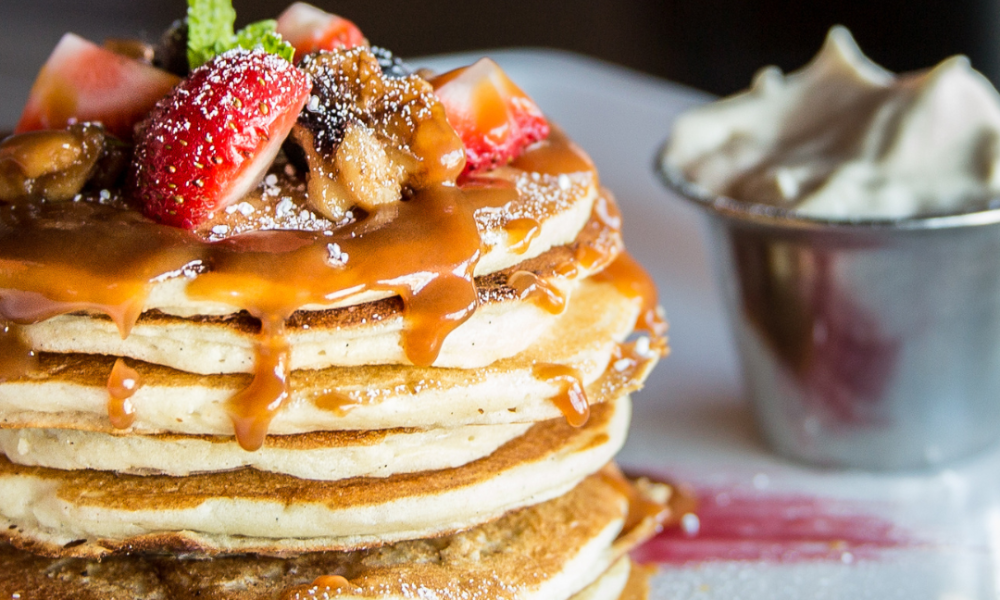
{"points": [[554, 155], [630, 279], [521, 232], [571, 399], [529, 286], [405, 257], [590, 258], [67, 257], [123, 383], [334, 582], [321, 587], [84, 256], [640, 508], [336, 402], [253, 408], [16, 357]]}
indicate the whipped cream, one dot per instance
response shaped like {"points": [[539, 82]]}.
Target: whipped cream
{"points": [[843, 138]]}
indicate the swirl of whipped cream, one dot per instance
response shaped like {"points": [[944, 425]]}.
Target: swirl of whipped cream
{"points": [[843, 138]]}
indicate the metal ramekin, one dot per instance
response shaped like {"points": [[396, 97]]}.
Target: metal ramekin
{"points": [[872, 344]]}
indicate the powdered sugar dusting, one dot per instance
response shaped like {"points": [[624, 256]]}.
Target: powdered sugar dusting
{"points": [[204, 140], [539, 196]]}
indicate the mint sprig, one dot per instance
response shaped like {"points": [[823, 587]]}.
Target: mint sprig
{"points": [[264, 34], [211, 32]]}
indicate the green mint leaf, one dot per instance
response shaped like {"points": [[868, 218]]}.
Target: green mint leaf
{"points": [[263, 34], [210, 33], [254, 32], [210, 29]]}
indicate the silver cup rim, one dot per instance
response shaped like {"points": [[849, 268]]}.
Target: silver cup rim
{"points": [[781, 218]]}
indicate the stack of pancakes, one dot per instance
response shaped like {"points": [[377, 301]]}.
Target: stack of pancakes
{"points": [[171, 455]]}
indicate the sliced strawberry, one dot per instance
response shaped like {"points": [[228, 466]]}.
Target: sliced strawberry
{"points": [[495, 119], [211, 141], [310, 29], [83, 82]]}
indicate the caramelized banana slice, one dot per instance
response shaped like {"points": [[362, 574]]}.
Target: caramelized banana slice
{"points": [[368, 137], [55, 164]]}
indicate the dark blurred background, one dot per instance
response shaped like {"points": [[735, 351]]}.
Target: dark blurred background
{"points": [[714, 45]]}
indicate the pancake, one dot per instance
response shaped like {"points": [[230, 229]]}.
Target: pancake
{"points": [[506, 322], [92, 513], [558, 208], [546, 552], [71, 391], [323, 455]]}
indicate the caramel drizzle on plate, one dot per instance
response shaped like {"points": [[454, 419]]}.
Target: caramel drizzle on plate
{"points": [[59, 258]]}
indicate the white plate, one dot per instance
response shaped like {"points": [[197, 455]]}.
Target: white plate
{"points": [[931, 535]]}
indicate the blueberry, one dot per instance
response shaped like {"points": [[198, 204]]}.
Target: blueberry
{"points": [[170, 53], [392, 65]]}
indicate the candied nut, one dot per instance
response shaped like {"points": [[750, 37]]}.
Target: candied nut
{"points": [[369, 136], [170, 53], [39, 153], [52, 165], [368, 173], [134, 49], [360, 174]]}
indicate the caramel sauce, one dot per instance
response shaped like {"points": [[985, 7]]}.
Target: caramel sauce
{"points": [[16, 357], [591, 257], [123, 383], [85, 256], [571, 399], [640, 508], [321, 587], [630, 279], [335, 402], [521, 232], [531, 287], [253, 408], [67, 257], [555, 155]]}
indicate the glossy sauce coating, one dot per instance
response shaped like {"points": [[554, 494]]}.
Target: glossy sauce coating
{"points": [[571, 399], [640, 508], [632, 280], [84, 256], [522, 232], [123, 383], [529, 286], [335, 402]]}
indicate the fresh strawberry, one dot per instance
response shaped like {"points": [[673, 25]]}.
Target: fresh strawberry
{"points": [[494, 118], [83, 82], [211, 141], [310, 29]]}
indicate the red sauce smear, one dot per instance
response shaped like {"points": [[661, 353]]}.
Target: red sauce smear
{"points": [[731, 525]]}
